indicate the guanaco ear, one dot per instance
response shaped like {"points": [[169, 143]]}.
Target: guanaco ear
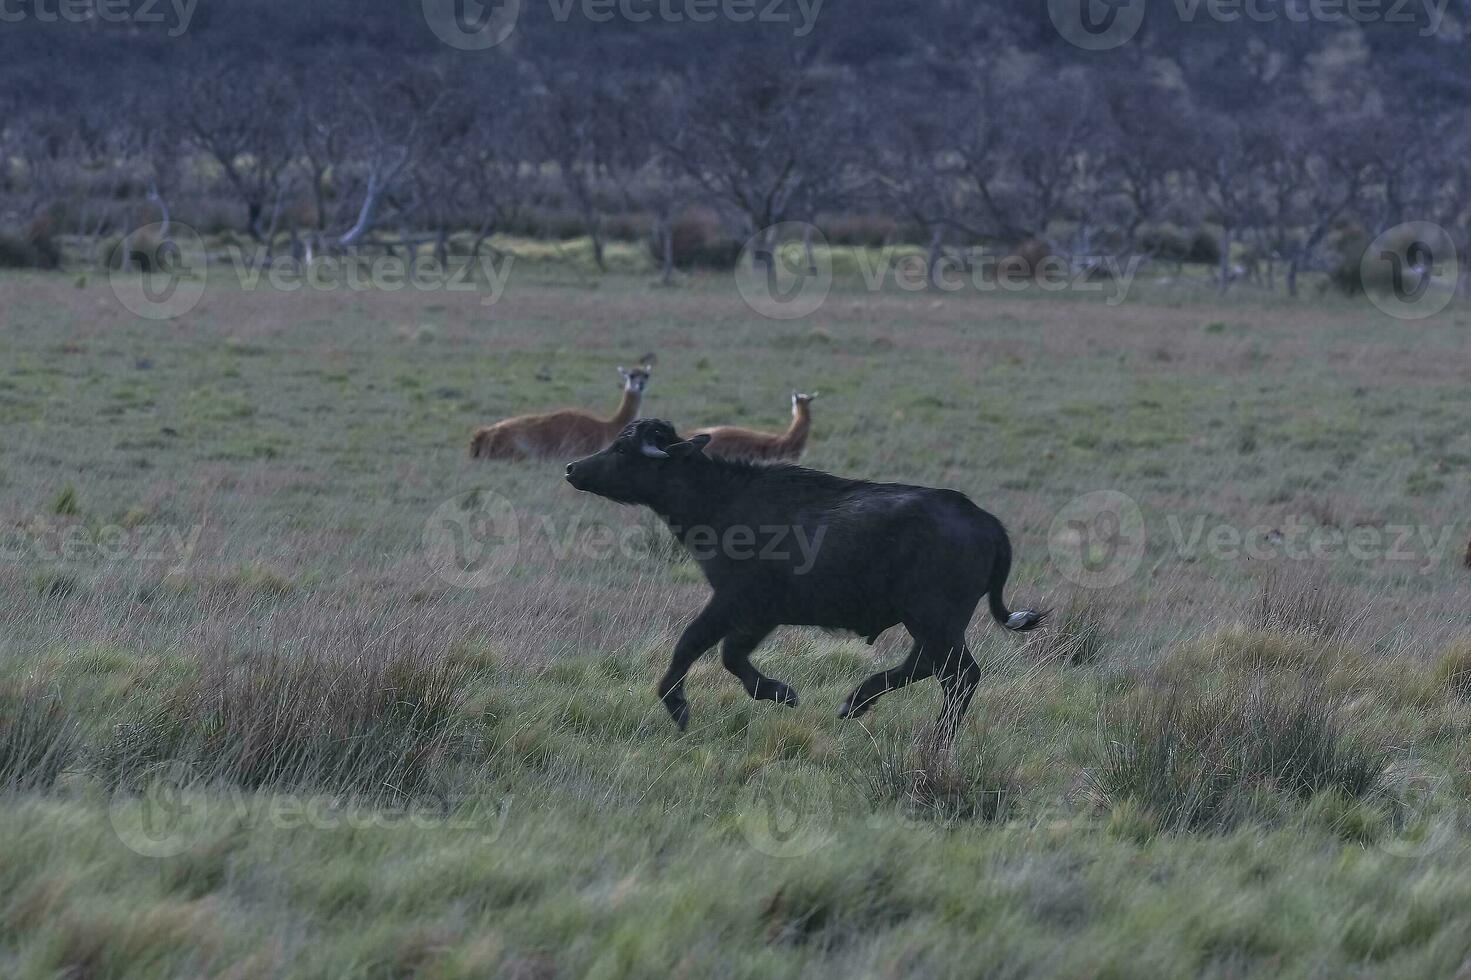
{"points": [[692, 447], [623, 371]]}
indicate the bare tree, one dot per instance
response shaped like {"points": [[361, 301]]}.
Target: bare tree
{"points": [[582, 122], [387, 137], [661, 186], [241, 118], [323, 145], [767, 138], [1146, 148], [479, 177], [1023, 152], [1049, 148], [1227, 173], [913, 163], [1312, 175]]}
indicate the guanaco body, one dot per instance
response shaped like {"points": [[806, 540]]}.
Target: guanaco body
{"points": [[561, 432], [733, 442]]}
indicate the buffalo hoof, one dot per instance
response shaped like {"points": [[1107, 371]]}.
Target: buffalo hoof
{"points": [[849, 710], [680, 712], [781, 694]]}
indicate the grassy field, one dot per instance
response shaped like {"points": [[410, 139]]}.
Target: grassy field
{"points": [[259, 717]]}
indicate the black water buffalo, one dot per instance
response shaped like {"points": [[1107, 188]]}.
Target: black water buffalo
{"points": [[781, 544]]}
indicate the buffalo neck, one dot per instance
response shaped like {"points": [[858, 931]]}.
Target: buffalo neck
{"points": [[701, 493]]}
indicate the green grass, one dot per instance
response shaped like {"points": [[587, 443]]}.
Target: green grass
{"points": [[221, 603]]}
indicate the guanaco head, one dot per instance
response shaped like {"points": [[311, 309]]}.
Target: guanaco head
{"points": [[801, 401], [635, 381]]}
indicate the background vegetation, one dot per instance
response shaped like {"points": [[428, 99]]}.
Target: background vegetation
{"points": [[1259, 149], [264, 714], [1218, 767]]}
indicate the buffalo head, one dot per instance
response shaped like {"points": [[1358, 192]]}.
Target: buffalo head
{"points": [[635, 469]]}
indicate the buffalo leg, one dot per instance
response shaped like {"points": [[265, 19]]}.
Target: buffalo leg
{"points": [[700, 635], [916, 667], [959, 676], [735, 653]]}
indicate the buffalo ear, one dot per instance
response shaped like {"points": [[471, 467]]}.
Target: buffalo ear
{"points": [[691, 447]]}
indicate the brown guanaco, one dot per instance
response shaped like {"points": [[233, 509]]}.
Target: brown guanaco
{"points": [[733, 442], [563, 432]]}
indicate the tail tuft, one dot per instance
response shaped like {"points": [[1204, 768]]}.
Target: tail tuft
{"points": [[1021, 620], [1025, 619]]}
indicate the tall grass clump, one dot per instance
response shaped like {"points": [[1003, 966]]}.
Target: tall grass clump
{"points": [[1196, 760], [38, 738], [1306, 604], [928, 779], [382, 723], [1077, 636], [1453, 672], [1238, 652]]}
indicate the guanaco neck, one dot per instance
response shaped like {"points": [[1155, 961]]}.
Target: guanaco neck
{"points": [[627, 409], [794, 440]]}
